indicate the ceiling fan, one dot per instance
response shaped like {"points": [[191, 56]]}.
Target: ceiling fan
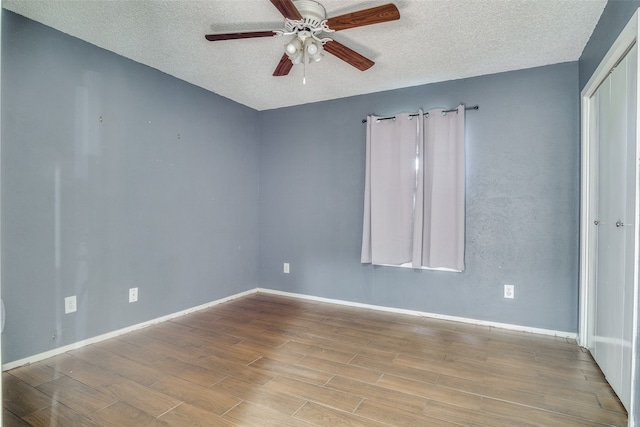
{"points": [[307, 21]]}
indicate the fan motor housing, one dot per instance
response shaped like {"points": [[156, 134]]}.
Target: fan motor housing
{"points": [[311, 10]]}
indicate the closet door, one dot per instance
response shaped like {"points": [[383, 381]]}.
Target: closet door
{"points": [[615, 123]]}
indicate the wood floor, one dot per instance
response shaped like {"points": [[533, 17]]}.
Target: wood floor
{"points": [[265, 360]]}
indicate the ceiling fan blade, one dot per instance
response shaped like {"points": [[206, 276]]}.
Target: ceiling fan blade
{"points": [[348, 55], [233, 36], [287, 9], [375, 15], [284, 66]]}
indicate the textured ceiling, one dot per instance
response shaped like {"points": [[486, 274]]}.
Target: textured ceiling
{"points": [[434, 40]]}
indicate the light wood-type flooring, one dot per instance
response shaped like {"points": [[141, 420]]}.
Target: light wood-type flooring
{"points": [[265, 360]]}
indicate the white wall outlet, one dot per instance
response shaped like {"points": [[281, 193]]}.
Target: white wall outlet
{"points": [[70, 304], [133, 294], [285, 268], [509, 291]]}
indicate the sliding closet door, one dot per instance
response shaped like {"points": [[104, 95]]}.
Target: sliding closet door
{"points": [[630, 234], [615, 121]]}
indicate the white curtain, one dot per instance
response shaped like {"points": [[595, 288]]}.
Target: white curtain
{"points": [[415, 190]]}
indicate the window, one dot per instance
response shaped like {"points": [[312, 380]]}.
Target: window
{"points": [[415, 190]]}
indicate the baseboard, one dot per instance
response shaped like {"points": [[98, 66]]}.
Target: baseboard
{"points": [[56, 351], [519, 328]]}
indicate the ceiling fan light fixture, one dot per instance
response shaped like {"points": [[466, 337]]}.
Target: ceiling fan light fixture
{"points": [[297, 59], [313, 50], [293, 47], [307, 21]]}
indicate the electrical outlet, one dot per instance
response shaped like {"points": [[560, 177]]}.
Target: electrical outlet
{"points": [[133, 294], [285, 267], [70, 304], [509, 291]]}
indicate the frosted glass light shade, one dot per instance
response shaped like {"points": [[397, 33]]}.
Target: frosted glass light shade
{"points": [[293, 47]]}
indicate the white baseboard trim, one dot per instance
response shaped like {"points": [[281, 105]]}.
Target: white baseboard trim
{"points": [[519, 328], [56, 351]]}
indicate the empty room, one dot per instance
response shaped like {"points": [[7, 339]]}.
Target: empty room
{"points": [[319, 213]]}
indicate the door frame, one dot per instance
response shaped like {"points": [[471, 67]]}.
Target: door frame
{"points": [[589, 161]]}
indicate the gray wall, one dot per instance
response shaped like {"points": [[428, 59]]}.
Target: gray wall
{"points": [[115, 175], [614, 18], [522, 200]]}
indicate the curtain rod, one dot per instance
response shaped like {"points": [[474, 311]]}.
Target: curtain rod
{"points": [[475, 107]]}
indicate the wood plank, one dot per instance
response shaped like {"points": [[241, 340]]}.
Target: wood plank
{"points": [[534, 415], [377, 393], [20, 398], [431, 391], [262, 395], [323, 416], [58, 415], [471, 418], [187, 415], [494, 391], [144, 374], [170, 349], [257, 351], [122, 414], [148, 400], [190, 372], [293, 371], [88, 373], [130, 351], [390, 415], [586, 412], [463, 368], [248, 414], [343, 369], [398, 369], [92, 354], [327, 397], [9, 419], [241, 371], [36, 373], [211, 400], [76, 395], [323, 352]]}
